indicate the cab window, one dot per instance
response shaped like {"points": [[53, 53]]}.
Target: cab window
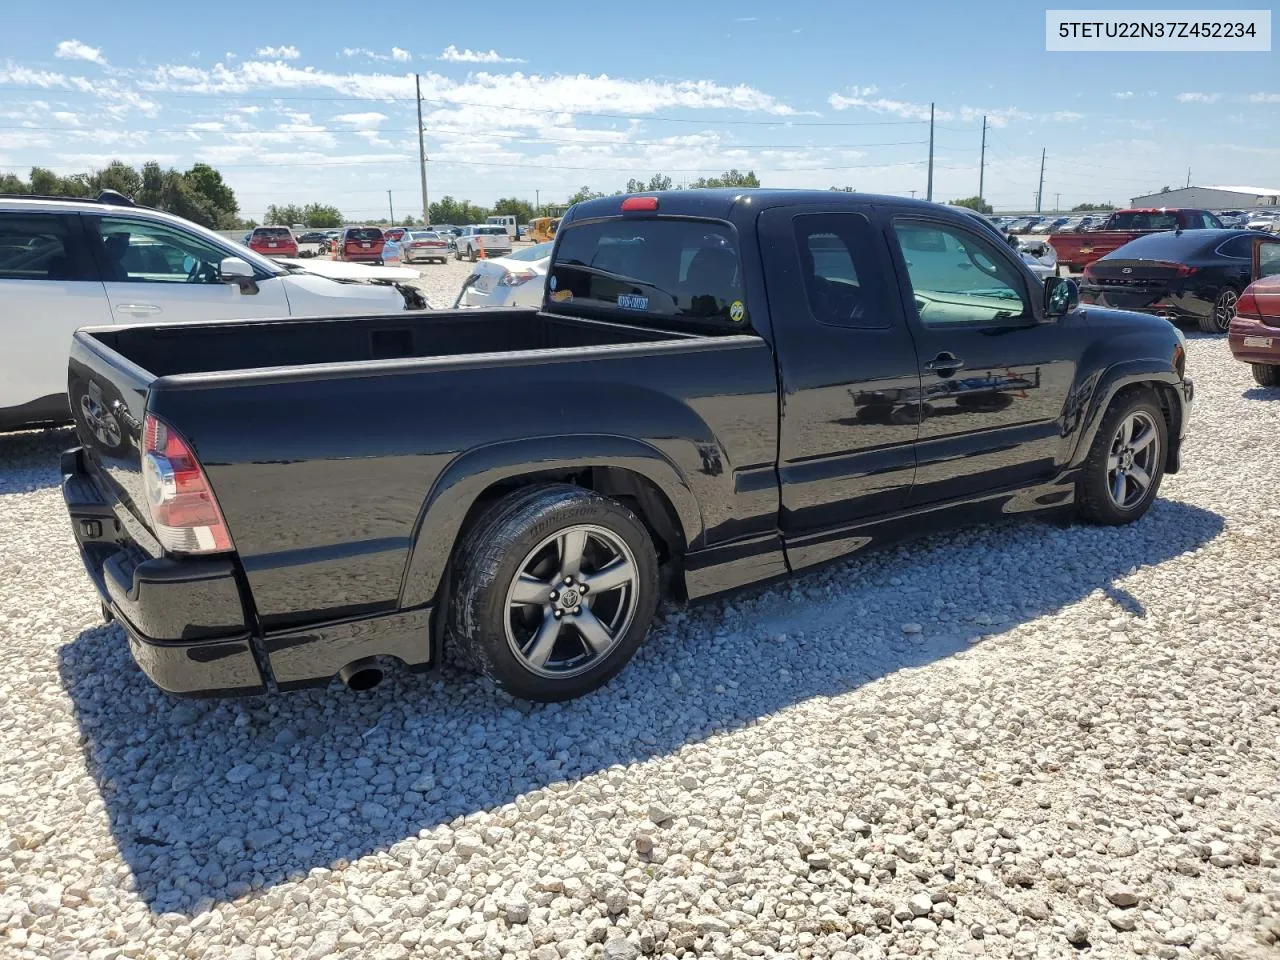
{"points": [[958, 277]]}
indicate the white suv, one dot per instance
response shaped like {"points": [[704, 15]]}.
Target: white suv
{"points": [[66, 264], [494, 241]]}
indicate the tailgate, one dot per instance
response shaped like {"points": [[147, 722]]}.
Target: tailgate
{"points": [[108, 396]]}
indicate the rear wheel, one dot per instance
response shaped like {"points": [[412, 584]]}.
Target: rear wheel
{"points": [[556, 587], [1224, 308], [1267, 374], [1122, 476]]}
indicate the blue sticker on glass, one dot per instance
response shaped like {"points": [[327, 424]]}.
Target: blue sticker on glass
{"points": [[552, 282], [630, 302]]}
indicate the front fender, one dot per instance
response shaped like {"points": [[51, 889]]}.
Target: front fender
{"points": [[471, 473], [1103, 388]]}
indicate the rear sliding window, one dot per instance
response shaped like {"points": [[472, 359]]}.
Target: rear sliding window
{"points": [[688, 271]]}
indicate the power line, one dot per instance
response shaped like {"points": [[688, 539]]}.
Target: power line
{"points": [[492, 106]]}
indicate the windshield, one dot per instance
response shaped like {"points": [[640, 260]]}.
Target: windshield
{"points": [[365, 233], [539, 251], [684, 270], [272, 233]]}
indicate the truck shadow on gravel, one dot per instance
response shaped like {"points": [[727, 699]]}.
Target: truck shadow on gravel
{"points": [[29, 460], [211, 800]]}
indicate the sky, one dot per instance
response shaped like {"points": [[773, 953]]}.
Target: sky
{"points": [[316, 101]]}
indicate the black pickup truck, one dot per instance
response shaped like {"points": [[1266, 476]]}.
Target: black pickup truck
{"points": [[721, 387]]}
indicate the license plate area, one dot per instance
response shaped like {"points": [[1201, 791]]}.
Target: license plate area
{"points": [[1264, 342]]}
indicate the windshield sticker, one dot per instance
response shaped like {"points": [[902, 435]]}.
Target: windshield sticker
{"points": [[737, 311], [629, 301], [552, 282], [560, 296]]}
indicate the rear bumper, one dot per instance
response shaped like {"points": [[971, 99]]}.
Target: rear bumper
{"points": [[1179, 305], [184, 619], [1252, 341], [188, 619]]}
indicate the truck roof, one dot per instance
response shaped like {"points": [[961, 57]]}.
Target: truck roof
{"points": [[719, 202]]}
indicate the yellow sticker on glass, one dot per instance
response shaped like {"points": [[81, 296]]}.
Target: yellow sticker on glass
{"points": [[737, 311], [560, 296]]}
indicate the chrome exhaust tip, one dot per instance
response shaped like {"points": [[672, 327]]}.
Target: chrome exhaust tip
{"points": [[361, 675]]}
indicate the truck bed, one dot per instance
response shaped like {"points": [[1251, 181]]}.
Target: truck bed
{"points": [[175, 349]]}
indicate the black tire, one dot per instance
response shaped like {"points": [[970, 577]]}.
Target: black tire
{"points": [[489, 562], [1095, 498], [1267, 374], [1224, 308], [457, 254]]}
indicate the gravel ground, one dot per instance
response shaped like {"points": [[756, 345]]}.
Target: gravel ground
{"points": [[1024, 741], [441, 282]]}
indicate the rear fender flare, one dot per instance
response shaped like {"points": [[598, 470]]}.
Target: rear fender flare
{"points": [[1118, 377], [470, 474]]}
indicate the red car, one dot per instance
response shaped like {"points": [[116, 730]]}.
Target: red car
{"points": [[1254, 335], [1076, 251], [273, 242], [361, 244], [395, 233]]}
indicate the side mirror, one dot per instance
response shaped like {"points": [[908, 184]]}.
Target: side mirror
{"points": [[237, 271], [1061, 296]]}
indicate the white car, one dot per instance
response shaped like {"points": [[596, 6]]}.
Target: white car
{"points": [[66, 264], [1039, 256], [512, 281]]}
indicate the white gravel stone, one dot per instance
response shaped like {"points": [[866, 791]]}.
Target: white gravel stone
{"points": [[1105, 762]]}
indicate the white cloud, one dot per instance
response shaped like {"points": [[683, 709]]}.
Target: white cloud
{"points": [[1264, 98], [207, 126], [284, 53], [403, 56], [362, 121], [1123, 95], [75, 50], [452, 54], [70, 119], [1194, 97], [859, 97]]}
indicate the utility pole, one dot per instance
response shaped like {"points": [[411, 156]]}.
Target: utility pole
{"points": [[982, 158], [537, 202], [1056, 198], [929, 195], [391, 208], [422, 155], [1188, 176], [913, 194], [1040, 192]]}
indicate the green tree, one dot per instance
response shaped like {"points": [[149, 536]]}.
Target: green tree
{"points": [[1087, 207], [118, 176], [730, 178], [320, 215], [286, 215], [522, 210], [209, 193], [973, 203], [584, 193], [12, 183], [455, 212]]}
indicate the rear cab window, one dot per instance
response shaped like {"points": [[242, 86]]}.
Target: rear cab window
{"points": [[1144, 220], [678, 273]]}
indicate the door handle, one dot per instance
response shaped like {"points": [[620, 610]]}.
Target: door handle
{"points": [[944, 364], [137, 309]]}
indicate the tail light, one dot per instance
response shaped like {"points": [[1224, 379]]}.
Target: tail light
{"points": [[1247, 306], [515, 279], [1184, 270], [184, 513]]}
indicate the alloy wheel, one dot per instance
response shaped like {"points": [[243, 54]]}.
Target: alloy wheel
{"points": [[1224, 308], [1133, 460], [572, 600]]}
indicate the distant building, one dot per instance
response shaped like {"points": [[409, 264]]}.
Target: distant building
{"points": [[1211, 198]]}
